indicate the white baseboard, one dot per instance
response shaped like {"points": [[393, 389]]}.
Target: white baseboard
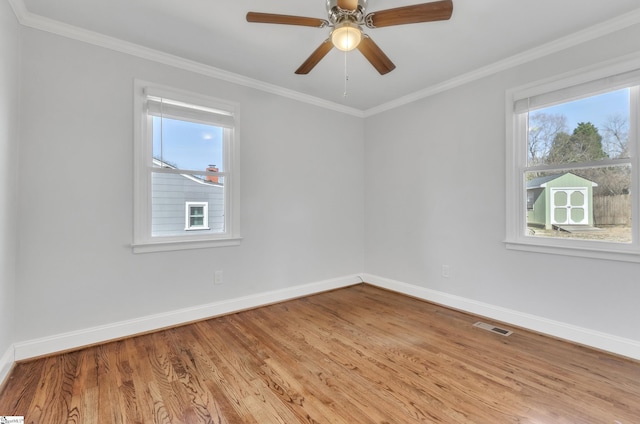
{"points": [[76, 339], [6, 362], [584, 336]]}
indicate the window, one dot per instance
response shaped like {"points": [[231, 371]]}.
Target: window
{"points": [[572, 164], [197, 216], [186, 162]]}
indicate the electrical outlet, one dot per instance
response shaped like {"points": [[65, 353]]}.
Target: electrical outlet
{"points": [[446, 271], [217, 279]]}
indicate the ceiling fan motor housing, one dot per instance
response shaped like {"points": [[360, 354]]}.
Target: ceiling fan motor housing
{"points": [[337, 14]]}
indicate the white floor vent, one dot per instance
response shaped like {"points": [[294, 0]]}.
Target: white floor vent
{"points": [[493, 328]]}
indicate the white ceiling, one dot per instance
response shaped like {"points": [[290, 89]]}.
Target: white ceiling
{"points": [[215, 33]]}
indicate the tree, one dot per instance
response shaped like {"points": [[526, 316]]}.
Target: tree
{"points": [[543, 129], [616, 136], [584, 145]]}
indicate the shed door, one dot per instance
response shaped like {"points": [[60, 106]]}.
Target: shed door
{"points": [[569, 206]]}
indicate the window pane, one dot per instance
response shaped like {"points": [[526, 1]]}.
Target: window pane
{"points": [[197, 211], [170, 193], [588, 204], [196, 221], [584, 130], [187, 145]]}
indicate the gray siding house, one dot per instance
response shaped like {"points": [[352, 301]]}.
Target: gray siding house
{"points": [[183, 203]]}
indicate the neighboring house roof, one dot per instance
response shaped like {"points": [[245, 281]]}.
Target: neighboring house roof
{"points": [[161, 164], [541, 182]]}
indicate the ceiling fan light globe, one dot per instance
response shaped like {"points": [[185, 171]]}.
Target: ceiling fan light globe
{"points": [[346, 37]]}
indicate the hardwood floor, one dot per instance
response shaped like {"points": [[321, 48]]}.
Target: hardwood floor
{"points": [[355, 355]]}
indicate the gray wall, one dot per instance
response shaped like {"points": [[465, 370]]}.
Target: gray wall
{"points": [[302, 194], [444, 203], [311, 186], [9, 83]]}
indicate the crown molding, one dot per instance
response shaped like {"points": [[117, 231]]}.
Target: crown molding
{"points": [[41, 23], [600, 30], [32, 20]]}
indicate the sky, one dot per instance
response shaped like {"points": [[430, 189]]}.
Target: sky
{"points": [[596, 109], [187, 145], [195, 146]]}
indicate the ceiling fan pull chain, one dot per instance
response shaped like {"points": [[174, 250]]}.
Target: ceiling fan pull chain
{"points": [[346, 75]]}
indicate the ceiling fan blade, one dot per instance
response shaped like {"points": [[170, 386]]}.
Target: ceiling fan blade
{"points": [[426, 12], [270, 18], [348, 4], [315, 57], [375, 55]]}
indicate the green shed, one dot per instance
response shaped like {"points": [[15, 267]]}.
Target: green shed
{"points": [[560, 199]]}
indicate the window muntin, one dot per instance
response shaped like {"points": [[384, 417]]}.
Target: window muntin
{"points": [[571, 162], [183, 170], [586, 203], [186, 157], [590, 201]]}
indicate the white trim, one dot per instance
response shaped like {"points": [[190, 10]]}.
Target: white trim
{"points": [[584, 336], [576, 77], [591, 33], [32, 20], [552, 246], [143, 241], [6, 363], [100, 334], [184, 244], [41, 23], [516, 164], [104, 333]]}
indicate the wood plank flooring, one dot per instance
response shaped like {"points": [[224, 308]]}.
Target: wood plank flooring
{"points": [[355, 355]]}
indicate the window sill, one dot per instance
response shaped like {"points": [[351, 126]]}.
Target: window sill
{"points": [[607, 252], [171, 245]]}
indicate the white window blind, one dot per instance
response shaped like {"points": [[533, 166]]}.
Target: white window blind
{"points": [[158, 105], [205, 131], [576, 92]]}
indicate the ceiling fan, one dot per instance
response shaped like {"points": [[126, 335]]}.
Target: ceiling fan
{"points": [[346, 17]]}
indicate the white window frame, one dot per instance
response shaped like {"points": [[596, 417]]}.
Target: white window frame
{"points": [[143, 241], [592, 80], [187, 216]]}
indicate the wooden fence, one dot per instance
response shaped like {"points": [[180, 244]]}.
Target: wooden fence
{"points": [[612, 210]]}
